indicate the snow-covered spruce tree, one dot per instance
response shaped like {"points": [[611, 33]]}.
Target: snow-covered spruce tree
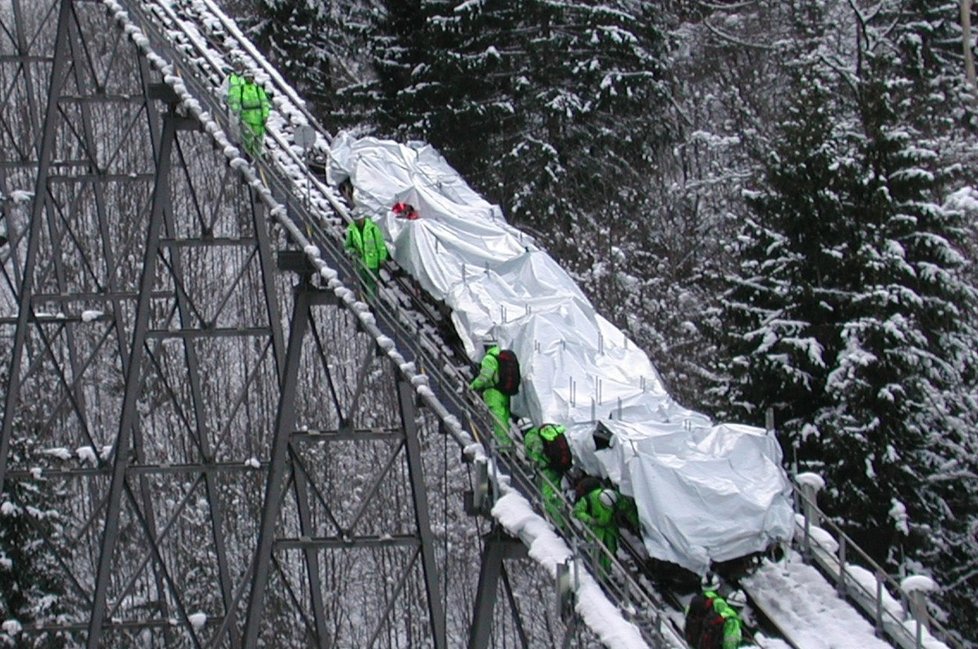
{"points": [[851, 314], [31, 592], [926, 38], [295, 37], [538, 104], [403, 41], [903, 419], [778, 319]]}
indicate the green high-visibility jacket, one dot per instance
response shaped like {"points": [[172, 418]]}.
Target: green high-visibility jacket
{"points": [[488, 370], [732, 635], [595, 513], [248, 100], [367, 242], [534, 440]]}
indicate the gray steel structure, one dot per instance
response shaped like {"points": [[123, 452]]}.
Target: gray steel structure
{"points": [[206, 441], [226, 454]]}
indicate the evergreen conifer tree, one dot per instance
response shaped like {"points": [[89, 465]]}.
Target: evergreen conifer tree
{"points": [[31, 592], [778, 319], [295, 37]]}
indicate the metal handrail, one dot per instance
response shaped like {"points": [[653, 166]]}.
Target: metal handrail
{"points": [[846, 582]]}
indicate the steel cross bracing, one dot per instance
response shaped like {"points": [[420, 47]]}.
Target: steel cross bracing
{"points": [[202, 483], [414, 336]]}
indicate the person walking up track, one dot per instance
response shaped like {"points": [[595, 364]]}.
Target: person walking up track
{"points": [[365, 241], [548, 450], [498, 380], [249, 104]]}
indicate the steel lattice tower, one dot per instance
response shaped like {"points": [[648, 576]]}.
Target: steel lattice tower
{"points": [[234, 458]]}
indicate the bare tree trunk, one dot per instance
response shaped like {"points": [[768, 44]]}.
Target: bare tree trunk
{"points": [[969, 63]]}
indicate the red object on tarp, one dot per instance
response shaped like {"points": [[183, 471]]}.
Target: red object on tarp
{"points": [[405, 211]]}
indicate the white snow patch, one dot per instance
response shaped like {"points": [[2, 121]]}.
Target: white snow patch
{"points": [[86, 454], [918, 583], [807, 608], [58, 452], [515, 514], [12, 627], [810, 480]]}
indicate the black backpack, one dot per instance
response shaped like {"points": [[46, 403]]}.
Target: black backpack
{"points": [[585, 485], [704, 626], [558, 452], [508, 381]]}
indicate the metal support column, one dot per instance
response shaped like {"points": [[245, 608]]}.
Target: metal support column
{"points": [[25, 310], [121, 459], [422, 518], [498, 547], [274, 485]]}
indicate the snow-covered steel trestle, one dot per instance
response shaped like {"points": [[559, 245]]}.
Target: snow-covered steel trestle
{"points": [[198, 481]]}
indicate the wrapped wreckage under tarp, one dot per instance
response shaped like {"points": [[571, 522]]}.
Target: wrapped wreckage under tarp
{"points": [[705, 492]]}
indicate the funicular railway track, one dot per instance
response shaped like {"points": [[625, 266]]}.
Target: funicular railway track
{"points": [[403, 311]]}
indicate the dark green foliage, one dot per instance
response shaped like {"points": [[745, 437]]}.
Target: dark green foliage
{"points": [[31, 591], [535, 102], [850, 314], [926, 41], [308, 42]]}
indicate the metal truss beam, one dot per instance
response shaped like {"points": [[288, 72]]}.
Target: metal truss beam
{"points": [[217, 487]]}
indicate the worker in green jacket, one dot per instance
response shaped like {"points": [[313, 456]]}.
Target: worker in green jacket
{"points": [[250, 105], [701, 632], [496, 401], [366, 242], [546, 447], [596, 509]]}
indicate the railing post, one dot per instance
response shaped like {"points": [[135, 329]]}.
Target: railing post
{"points": [[916, 588], [809, 484], [840, 583], [878, 617]]}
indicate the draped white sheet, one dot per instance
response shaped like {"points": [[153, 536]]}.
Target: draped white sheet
{"points": [[705, 492]]}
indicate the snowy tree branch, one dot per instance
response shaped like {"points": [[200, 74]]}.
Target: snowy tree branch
{"points": [[733, 39]]}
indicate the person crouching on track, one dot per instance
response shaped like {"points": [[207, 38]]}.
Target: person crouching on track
{"points": [[713, 622], [546, 447], [365, 241], [596, 509]]}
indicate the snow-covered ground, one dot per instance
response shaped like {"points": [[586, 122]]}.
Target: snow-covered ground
{"points": [[807, 608]]}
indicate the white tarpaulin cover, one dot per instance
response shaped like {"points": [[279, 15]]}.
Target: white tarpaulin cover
{"points": [[704, 492]]}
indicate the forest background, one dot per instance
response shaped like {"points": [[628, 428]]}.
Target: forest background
{"points": [[776, 199]]}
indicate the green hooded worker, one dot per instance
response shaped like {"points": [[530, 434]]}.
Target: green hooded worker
{"points": [[550, 467], [708, 606], [496, 401], [249, 103], [596, 509], [365, 241]]}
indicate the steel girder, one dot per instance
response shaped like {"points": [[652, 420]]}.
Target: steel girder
{"points": [[146, 366], [203, 483]]}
